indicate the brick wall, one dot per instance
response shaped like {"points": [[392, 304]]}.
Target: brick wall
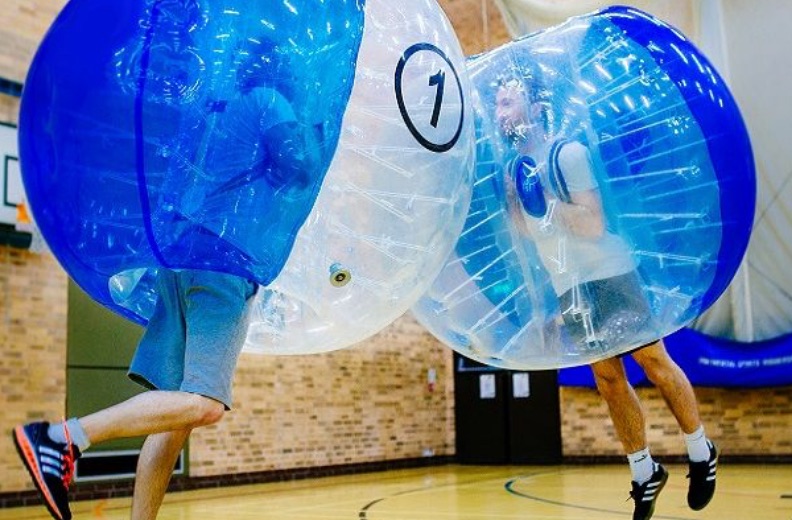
{"points": [[22, 25], [745, 422], [32, 349], [364, 404], [9, 109], [368, 403]]}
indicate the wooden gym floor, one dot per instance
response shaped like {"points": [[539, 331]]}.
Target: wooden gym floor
{"points": [[745, 492]]}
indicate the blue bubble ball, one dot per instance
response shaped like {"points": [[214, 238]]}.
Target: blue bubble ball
{"points": [[614, 196], [322, 149]]}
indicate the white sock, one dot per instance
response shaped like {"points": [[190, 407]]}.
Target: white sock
{"points": [[697, 446], [641, 465], [77, 435]]}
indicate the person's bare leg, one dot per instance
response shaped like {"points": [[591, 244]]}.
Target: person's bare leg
{"points": [[152, 412], [678, 393], [648, 477], [623, 404], [154, 470], [672, 383]]}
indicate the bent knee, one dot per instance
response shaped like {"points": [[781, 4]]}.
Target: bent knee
{"points": [[205, 411], [657, 366], [609, 375]]}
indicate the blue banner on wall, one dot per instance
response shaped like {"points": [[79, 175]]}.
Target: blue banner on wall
{"points": [[712, 362]]}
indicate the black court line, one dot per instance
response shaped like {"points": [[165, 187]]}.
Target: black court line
{"points": [[510, 488], [363, 513]]}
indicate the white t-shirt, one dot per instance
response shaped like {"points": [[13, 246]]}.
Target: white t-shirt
{"points": [[568, 258]]}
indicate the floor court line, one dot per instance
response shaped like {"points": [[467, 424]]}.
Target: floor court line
{"points": [[454, 492]]}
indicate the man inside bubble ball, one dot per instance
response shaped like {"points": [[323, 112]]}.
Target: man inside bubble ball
{"points": [[553, 197], [188, 354]]}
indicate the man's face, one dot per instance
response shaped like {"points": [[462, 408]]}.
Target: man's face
{"points": [[515, 115]]}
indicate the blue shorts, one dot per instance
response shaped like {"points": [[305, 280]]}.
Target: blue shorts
{"points": [[195, 335]]}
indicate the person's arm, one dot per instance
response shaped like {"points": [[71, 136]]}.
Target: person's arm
{"points": [[514, 209], [289, 152], [294, 155], [582, 213], [583, 216]]}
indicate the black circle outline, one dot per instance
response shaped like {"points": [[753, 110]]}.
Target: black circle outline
{"points": [[425, 46]]}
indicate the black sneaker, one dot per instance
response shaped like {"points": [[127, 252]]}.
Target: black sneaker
{"points": [[702, 480], [645, 495], [50, 464]]}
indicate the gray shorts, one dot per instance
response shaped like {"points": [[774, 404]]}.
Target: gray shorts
{"points": [[195, 335], [618, 310]]}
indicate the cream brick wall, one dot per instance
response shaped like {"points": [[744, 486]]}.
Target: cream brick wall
{"points": [[743, 421], [364, 404], [9, 109], [22, 25], [32, 350]]}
